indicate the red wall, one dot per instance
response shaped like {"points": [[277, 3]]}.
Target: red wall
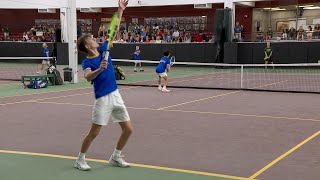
{"points": [[167, 11], [23, 20], [244, 17]]}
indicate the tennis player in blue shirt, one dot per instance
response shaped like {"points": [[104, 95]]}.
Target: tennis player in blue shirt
{"points": [[162, 69], [45, 61], [108, 103], [137, 59]]}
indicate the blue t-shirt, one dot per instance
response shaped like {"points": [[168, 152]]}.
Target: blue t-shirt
{"points": [[237, 29], [45, 51], [132, 40], [164, 61], [137, 55], [168, 38], [105, 83], [143, 34]]}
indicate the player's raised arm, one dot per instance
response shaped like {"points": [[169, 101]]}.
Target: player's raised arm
{"points": [[122, 6]]}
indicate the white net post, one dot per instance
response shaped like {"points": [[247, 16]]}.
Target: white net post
{"points": [[72, 39]]}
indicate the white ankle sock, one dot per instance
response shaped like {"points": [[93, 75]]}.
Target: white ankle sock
{"points": [[116, 152], [82, 156]]}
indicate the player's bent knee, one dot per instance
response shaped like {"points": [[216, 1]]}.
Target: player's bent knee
{"points": [[128, 130], [93, 134]]}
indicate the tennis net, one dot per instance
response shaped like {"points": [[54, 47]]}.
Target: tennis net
{"points": [[277, 77], [12, 68]]}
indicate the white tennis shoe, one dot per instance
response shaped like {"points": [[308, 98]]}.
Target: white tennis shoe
{"points": [[165, 90], [82, 165], [118, 161]]}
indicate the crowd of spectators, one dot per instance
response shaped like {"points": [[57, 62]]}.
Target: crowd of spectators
{"points": [[38, 33], [153, 34], [170, 34]]}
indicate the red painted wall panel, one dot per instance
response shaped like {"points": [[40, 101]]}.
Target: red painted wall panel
{"points": [[22, 20], [244, 17]]}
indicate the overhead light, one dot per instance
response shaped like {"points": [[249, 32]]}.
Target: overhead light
{"points": [[303, 6], [278, 9], [310, 8], [204, 16], [275, 9]]}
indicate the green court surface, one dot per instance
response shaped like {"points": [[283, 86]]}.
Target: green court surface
{"points": [[16, 89], [33, 167]]}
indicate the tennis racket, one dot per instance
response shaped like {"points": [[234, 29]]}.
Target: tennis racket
{"points": [[172, 60], [113, 28]]}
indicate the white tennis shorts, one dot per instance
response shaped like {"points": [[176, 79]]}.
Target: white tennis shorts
{"points": [[109, 106], [45, 62], [162, 74], [136, 61]]}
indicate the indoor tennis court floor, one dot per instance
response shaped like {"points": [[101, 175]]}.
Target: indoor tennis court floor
{"points": [[185, 134]]}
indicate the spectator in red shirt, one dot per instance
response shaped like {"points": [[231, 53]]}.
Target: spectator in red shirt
{"points": [[198, 38], [147, 39], [159, 33]]}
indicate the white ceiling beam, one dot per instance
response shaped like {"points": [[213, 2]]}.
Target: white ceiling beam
{"points": [[35, 4], [31, 4], [140, 3]]}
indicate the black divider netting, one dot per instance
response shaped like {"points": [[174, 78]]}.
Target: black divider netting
{"points": [[278, 77], [13, 68]]}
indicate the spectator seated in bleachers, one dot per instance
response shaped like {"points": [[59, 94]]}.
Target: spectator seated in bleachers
{"points": [[309, 32], [300, 34], [260, 37]]}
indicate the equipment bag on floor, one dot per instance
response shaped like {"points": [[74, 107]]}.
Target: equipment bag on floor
{"points": [[56, 73], [37, 84]]}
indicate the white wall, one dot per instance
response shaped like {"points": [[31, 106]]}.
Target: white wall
{"points": [[311, 14], [262, 17], [31, 4], [276, 16]]}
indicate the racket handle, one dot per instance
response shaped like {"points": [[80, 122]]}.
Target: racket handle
{"points": [[106, 57]]}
